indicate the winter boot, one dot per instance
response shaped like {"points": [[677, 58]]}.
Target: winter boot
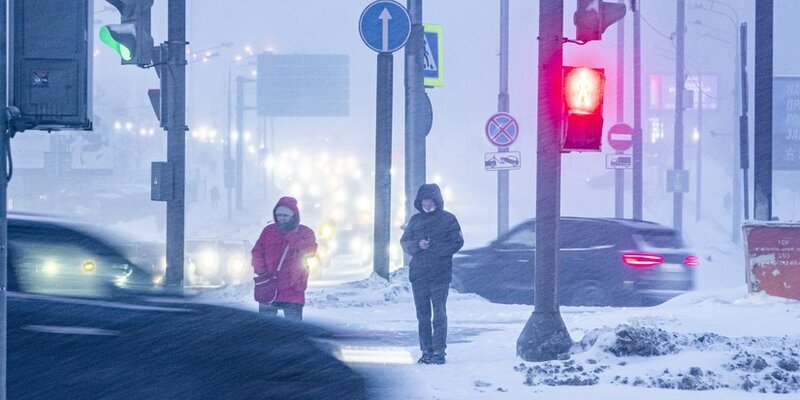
{"points": [[426, 358], [437, 358]]}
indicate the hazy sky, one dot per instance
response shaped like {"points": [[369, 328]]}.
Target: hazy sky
{"points": [[471, 41]]}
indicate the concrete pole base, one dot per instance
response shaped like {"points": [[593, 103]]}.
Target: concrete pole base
{"points": [[544, 338]]}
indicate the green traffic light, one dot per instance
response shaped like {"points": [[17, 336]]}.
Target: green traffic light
{"points": [[108, 38]]}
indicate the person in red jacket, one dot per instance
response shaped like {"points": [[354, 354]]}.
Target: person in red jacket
{"points": [[298, 242]]}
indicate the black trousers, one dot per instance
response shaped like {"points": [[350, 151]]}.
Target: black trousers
{"points": [[430, 300], [292, 311]]}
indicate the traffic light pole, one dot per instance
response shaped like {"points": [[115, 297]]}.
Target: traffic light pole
{"points": [[736, 194], [699, 184], [176, 140], [744, 146], [637, 114], [619, 174], [227, 161], [762, 159], [680, 77], [3, 201], [414, 93], [239, 141], [503, 106], [545, 336]]}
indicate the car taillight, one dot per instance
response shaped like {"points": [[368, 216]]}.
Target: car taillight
{"points": [[691, 261], [642, 260]]}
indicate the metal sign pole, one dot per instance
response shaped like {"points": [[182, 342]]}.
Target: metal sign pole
{"points": [[385, 27], [503, 106], [383, 164]]}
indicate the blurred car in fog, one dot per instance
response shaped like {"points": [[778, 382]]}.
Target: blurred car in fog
{"points": [[217, 262], [50, 255], [207, 262], [85, 322], [603, 261], [68, 348]]}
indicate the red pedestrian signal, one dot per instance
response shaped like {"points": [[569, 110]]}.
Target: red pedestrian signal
{"points": [[583, 108], [592, 17]]}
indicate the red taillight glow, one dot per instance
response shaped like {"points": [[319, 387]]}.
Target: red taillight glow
{"points": [[691, 261], [642, 260]]}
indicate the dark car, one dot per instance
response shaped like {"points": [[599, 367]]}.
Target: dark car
{"points": [[50, 255], [86, 322], [603, 261], [69, 348]]}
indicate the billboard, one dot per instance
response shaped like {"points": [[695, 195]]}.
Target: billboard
{"points": [[661, 92], [303, 85], [785, 123]]}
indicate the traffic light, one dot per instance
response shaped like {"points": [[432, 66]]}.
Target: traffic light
{"points": [[593, 17], [583, 108], [131, 38]]}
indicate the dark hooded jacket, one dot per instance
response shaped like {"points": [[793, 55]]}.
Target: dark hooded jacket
{"points": [[267, 252], [434, 264]]}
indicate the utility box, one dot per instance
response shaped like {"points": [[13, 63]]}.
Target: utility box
{"points": [[161, 180], [51, 62], [773, 258]]}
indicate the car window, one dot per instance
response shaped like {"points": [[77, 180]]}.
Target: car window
{"points": [[663, 239], [522, 238], [67, 263], [587, 235]]}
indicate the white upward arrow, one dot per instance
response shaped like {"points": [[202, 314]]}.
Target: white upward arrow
{"points": [[385, 17]]}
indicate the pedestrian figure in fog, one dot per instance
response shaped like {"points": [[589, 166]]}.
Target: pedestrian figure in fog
{"points": [[281, 251], [214, 197], [431, 237]]}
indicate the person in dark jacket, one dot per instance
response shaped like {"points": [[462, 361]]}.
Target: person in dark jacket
{"points": [[431, 237], [298, 242]]}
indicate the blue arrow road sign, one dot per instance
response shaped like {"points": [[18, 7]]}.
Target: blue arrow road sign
{"points": [[384, 26], [502, 129]]}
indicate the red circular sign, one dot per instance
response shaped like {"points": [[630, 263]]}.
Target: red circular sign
{"points": [[620, 137], [502, 129]]}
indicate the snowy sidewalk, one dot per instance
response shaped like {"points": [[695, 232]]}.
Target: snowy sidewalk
{"points": [[721, 344]]}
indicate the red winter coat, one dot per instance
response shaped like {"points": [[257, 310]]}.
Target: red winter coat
{"points": [[267, 252]]}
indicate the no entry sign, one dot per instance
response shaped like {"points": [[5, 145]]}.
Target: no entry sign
{"points": [[620, 137]]}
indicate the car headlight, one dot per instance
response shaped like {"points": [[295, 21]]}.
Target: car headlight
{"points": [[50, 268], [236, 265], [89, 266]]}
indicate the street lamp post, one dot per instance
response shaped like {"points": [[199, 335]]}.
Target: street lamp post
{"points": [[737, 195], [233, 168]]}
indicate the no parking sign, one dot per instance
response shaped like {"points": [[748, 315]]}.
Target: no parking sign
{"points": [[502, 129]]}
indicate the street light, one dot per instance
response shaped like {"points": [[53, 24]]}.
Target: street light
{"points": [[737, 180]]}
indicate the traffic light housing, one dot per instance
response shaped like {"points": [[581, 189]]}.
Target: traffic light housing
{"points": [[131, 38], [593, 17], [583, 108]]}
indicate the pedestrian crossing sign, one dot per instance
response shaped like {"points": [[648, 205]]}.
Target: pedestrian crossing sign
{"points": [[433, 72]]}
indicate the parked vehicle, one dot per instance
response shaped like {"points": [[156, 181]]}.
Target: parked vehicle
{"points": [[603, 261]]}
